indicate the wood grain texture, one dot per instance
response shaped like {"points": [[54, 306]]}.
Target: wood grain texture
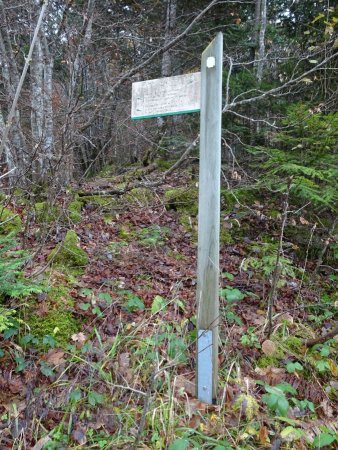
{"points": [[209, 199]]}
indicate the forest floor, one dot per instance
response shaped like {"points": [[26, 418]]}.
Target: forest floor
{"points": [[103, 354]]}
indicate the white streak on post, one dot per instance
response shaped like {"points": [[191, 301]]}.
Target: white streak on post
{"points": [[209, 220]]}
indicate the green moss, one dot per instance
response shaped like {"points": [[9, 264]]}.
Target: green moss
{"points": [[184, 199], [44, 212], [68, 253], [9, 222], [265, 361], [74, 211], [176, 255], [153, 235], [226, 237], [164, 165], [245, 196], [293, 344], [59, 295], [115, 247], [106, 203], [57, 323], [141, 196], [107, 170], [125, 233]]}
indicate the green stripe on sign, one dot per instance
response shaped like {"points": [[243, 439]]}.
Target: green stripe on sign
{"points": [[165, 114]]}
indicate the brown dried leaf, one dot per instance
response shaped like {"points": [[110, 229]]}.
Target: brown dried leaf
{"points": [[55, 357], [79, 436], [123, 366], [263, 435], [271, 375], [79, 337], [303, 221], [183, 385], [192, 405], [269, 348], [16, 386], [41, 443]]}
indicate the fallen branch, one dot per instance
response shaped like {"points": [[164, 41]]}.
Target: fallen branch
{"points": [[321, 339]]}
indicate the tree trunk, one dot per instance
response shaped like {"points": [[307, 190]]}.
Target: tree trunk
{"points": [[170, 22], [261, 41]]}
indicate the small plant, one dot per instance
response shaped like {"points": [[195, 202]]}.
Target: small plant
{"points": [[6, 318], [95, 398], [132, 302], [249, 339], [276, 398], [159, 304], [293, 367], [325, 438], [230, 296], [265, 262]]}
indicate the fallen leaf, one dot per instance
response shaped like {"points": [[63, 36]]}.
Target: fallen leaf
{"points": [[193, 405], [333, 368], [41, 443], [183, 385], [79, 337], [303, 221], [271, 375], [16, 386], [269, 348], [79, 436], [263, 435], [55, 357], [123, 366]]}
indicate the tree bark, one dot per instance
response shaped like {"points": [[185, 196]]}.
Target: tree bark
{"points": [[171, 7], [259, 37]]}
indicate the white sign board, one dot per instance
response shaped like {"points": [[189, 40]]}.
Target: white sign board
{"points": [[166, 96]]}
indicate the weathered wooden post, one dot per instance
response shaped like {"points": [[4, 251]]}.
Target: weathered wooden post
{"points": [[184, 94], [209, 221]]}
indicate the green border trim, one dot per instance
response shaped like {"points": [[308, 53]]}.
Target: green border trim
{"points": [[165, 114]]}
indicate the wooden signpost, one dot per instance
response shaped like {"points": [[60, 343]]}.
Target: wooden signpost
{"points": [[179, 95], [209, 220]]}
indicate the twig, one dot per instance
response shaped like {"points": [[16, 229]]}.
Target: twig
{"points": [[277, 270], [326, 244], [145, 410]]}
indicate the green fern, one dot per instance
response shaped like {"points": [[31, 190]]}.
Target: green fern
{"points": [[304, 151], [12, 281]]}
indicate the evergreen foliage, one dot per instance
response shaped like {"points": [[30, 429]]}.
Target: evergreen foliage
{"points": [[12, 282], [306, 151]]}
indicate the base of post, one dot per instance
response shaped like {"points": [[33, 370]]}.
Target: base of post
{"points": [[205, 367]]}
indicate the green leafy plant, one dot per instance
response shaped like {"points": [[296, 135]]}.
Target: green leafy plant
{"points": [[229, 297], [95, 398], [293, 367], [6, 318], [276, 398], [159, 304], [265, 262], [326, 437], [249, 339], [132, 302]]}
